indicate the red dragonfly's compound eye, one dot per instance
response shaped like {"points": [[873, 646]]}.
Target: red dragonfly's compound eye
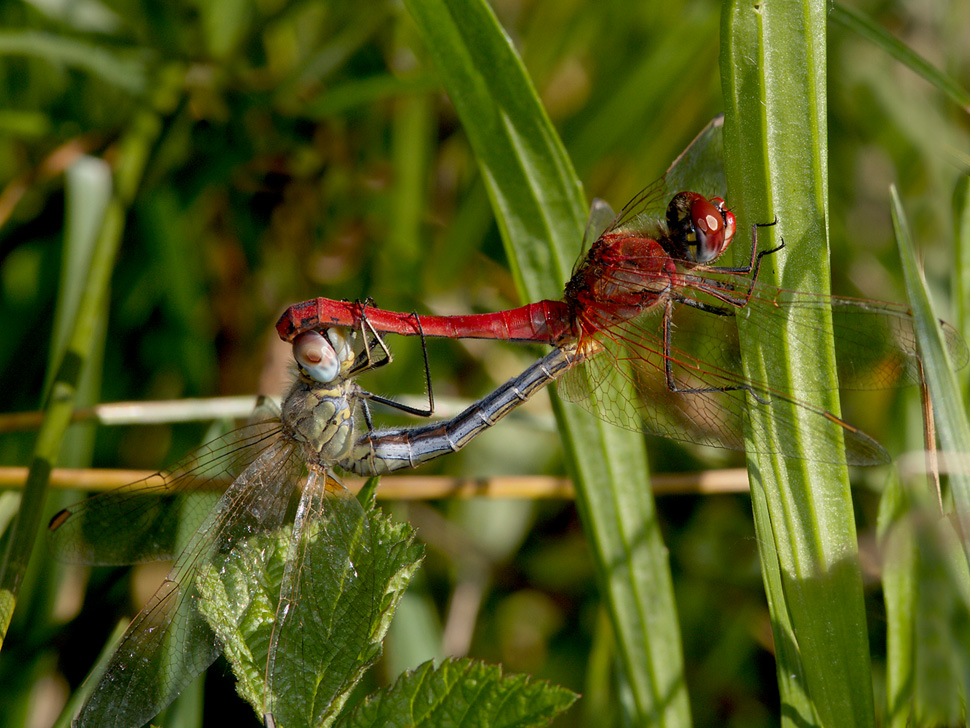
{"points": [[714, 227]]}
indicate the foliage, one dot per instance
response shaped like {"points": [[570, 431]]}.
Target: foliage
{"points": [[309, 150]]}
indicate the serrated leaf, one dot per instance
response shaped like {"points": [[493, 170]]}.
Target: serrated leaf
{"points": [[362, 565], [462, 693]]}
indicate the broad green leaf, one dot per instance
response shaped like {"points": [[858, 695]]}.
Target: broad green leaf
{"points": [[361, 568], [462, 693]]}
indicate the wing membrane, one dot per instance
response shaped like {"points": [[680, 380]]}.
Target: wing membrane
{"points": [[141, 521], [170, 642]]}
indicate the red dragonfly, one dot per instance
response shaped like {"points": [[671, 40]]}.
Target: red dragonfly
{"points": [[648, 299]]}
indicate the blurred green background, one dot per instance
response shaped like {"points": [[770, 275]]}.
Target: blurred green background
{"points": [[307, 149]]}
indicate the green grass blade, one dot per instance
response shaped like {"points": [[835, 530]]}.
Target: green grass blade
{"points": [[87, 191], [859, 23], [926, 583], [900, 592], [134, 149], [541, 213], [125, 72], [773, 67], [79, 696], [952, 428], [961, 269]]}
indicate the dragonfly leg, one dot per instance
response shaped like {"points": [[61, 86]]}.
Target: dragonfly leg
{"points": [[723, 290], [672, 385], [372, 339], [701, 306], [368, 420], [419, 411], [756, 256]]}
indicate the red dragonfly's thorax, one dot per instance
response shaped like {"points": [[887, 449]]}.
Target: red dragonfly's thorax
{"points": [[622, 275]]}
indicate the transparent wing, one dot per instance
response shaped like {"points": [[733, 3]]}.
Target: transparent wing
{"points": [[601, 217], [328, 607], [875, 341], [141, 521], [875, 348], [710, 411], [700, 167], [170, 642]]}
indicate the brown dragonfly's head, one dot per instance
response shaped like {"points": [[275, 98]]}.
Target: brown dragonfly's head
{"points": [[324, 356]]}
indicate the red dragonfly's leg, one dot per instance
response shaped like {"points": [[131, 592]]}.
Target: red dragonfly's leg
{"points": [[668, 359], [756, 257], [368, 361], [722, 290]]}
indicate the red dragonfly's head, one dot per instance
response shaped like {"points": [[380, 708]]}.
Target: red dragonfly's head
{"points": [[700, 229]]}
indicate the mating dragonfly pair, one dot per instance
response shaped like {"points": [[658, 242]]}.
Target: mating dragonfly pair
{"points": [[621, 321]]}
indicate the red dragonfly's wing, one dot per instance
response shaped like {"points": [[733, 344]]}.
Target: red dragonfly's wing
{"points": [[711, 411], [875, 347], [601, 217], [699, 168]]}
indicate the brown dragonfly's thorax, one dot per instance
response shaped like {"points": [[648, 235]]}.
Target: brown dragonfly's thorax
{"points": [[321, 416]]}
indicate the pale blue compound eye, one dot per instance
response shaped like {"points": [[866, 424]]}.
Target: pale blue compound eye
{"points": [[342, 344], [316, 357]]}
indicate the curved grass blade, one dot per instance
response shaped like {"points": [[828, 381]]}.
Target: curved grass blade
{"points": [[541, 212], [134, 149], [949, 412], [863, 26]]}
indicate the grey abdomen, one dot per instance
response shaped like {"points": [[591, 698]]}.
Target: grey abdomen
{"points": [[383, 451]]}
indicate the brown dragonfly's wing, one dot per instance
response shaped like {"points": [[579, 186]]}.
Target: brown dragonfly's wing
{"points": [[140, 521], [170, 642], [333, 552]]}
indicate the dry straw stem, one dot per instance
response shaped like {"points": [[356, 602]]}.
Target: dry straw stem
{"points": [[419, 487]]}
